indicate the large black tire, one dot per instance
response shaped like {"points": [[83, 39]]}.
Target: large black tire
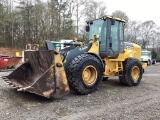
{"points": [[154, 61], [122, 80], [105, 78], [85, 74], [149, 62], [132, 73]]}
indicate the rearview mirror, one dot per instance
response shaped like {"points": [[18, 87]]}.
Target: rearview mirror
{"points": [[87, 28]]}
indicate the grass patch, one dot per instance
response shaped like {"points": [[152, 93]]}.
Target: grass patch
{"points": [[111, 91]]}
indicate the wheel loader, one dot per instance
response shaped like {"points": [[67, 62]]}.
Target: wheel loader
{"points": [[81, 67]]}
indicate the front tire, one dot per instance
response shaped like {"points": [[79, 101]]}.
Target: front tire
{"points": [[132, 73], [149, 62], [85, 74], [154, 61], [105, 78]]}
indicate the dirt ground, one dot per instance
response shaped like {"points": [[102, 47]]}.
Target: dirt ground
{"points": [[111, 101]]}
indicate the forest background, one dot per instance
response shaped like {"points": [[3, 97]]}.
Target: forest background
{"points": [[34, 21]]}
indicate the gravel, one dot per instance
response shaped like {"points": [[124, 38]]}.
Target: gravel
{"points": [[110, 101]]}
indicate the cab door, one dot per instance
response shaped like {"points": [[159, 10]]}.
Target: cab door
{"points": [[116, 38]]}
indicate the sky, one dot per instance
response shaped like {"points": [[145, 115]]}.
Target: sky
{"points": [[139, 10]]}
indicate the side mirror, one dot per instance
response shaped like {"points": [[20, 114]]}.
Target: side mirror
{"points": [[87, 28]]}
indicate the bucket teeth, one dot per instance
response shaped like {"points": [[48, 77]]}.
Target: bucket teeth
{"points": [[23, 89], [4, 77], [12, 85], [16, 86], [7, 80], [20, 89], [9, 83]]}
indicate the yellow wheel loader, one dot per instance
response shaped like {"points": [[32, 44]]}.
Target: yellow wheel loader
{"points": [[81, 67]]}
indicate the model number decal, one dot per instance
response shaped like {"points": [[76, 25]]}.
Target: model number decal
{"points": [[83, 48], [129, 47]]}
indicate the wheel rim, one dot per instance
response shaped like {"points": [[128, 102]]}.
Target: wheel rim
{"points": [[89, 75], [135, 73]]}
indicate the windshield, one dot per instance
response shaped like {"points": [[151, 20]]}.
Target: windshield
{"points": [[95, 28], [145, 53]]}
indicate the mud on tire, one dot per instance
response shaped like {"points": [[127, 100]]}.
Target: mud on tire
{"points": [[132, 73], [85, 74]]}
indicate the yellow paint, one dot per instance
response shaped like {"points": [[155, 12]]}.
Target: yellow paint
{"points": [[114, 66], [111, 17], [17, 54], [135, 73], [89, 75], [75, 39], [144, 65], [95, 45], [115, 18], [60, 75], [48, 93]]}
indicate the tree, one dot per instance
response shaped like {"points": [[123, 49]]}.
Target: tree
{"points": [[146, 31], [154, 54], [132, 31], [120, 14], [94, 9], [34, 21]]}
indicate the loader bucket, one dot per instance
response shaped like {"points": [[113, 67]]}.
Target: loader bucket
{"points": [[42, 73]]}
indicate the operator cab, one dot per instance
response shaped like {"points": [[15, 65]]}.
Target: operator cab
{"points": [[111, 32]]}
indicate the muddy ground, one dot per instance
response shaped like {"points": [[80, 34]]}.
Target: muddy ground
{"points": [[111, 101]]}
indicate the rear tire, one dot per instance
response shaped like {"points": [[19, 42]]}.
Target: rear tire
{"points": [[149, 62], [154, 61], [105, 78], [122, 80], [85, 74], [132, 73]]}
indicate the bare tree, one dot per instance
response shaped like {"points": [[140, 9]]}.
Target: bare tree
{"points": [[120, 14], [132, 31], [94, 9], [33, 21], [146, 31]]}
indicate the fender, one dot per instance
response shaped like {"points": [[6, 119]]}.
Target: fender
{"points": [[71, 54], [94, 54]]}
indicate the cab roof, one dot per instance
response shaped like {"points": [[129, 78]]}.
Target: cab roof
{"points": [[110, 17]]}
